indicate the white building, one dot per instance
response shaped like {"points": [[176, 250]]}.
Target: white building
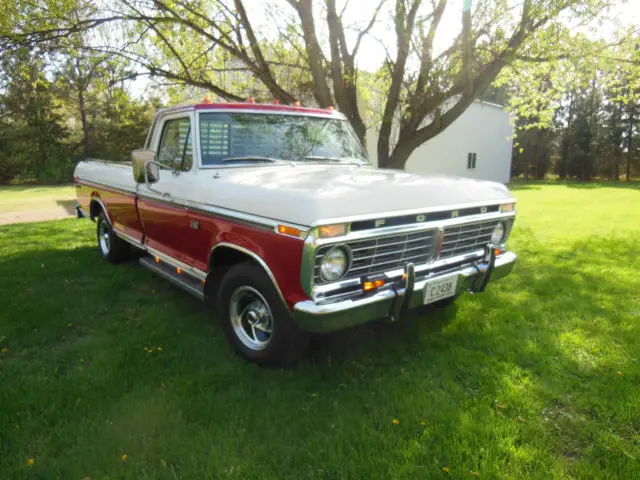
{"points": [[477, 145]]}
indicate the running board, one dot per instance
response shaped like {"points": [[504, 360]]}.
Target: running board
{"points": [[186, 282]]}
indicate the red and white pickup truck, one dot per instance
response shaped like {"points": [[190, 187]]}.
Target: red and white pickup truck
{"points": [[274, 215]]}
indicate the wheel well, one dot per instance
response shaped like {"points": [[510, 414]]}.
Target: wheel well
{"points": [[221, 260], [94, 209]]}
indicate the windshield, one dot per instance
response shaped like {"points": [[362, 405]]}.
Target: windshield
{"points": [[241, 136]]}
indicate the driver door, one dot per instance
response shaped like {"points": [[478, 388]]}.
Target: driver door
{"points": [[161, 205]]}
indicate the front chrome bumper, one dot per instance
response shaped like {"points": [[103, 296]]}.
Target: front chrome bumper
{"points": [[393, 302]]}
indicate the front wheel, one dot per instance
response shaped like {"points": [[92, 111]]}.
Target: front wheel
{"points": [[110, 246], [257, 323]]}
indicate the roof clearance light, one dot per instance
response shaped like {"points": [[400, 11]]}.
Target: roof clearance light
{"points": [[331, 108], [507, 207], [297, 104], [287, 230], [328, 231], [207, 101], [251, 100], [368, 286], [276, 101]]}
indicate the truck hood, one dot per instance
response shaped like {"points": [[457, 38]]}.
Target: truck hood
{"points": [[314, 194]]}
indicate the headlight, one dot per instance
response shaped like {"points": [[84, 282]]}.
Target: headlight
{"points": [[499, 233], [334, 264]]}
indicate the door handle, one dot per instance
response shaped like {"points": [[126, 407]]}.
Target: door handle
{"points": [[166, 196]]}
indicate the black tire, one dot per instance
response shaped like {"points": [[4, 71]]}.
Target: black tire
{"points": [[270, 336], [110, 246]]}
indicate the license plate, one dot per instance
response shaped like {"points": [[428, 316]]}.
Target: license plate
{"points": [[440, 288]]}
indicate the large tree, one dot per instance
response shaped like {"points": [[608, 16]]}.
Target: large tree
{"points": [[215, 45]]}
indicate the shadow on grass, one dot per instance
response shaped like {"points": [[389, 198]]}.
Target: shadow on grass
{"points": [[534, 342], [68, 205]]}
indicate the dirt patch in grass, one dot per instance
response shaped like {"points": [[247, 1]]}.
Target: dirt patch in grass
{"points": [[20, 204]]}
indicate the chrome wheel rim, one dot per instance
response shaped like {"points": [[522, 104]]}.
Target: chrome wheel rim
{"points": [[251, 318], [103, 237]]}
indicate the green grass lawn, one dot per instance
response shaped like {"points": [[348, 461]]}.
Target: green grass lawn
{"points": [[536, 378]]}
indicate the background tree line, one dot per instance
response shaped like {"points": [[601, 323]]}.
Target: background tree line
{"points": [[594, 133], [57, 107], [68, 67]]}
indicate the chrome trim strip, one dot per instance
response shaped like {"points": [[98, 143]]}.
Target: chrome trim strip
{"points": [[400, 213], [255, 220], [188, 269], [331, 114], [173, 279], [129, 238], [307, 266], [288, 164], [104, 209], [205, 208], [260, 261], [225, 212]]}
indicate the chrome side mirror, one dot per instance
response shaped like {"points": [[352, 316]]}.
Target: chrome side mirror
{"points": [[139, 160]]}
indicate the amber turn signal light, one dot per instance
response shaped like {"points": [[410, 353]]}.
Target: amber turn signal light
{"points": [[368, 286], [287, 230]]}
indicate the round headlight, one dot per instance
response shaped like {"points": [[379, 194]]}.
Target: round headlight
{"points": [[497, 237], [334, 264]]}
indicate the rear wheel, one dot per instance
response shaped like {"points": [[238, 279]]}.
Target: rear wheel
{"points": [[257, 323], [110, 246]]}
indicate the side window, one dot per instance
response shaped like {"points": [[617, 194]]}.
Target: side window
{"points": [[471, 161], [175, 144]]}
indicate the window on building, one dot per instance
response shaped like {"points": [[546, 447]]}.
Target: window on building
{"points": [[471, 160]]}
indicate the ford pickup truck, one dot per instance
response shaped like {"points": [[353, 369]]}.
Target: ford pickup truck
{"points": [[273, 215]]}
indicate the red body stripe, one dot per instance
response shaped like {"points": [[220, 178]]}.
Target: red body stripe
{"points": [[169, 229]]}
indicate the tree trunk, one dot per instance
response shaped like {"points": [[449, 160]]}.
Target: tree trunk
{"points": [[85, 125], [629, 145]]}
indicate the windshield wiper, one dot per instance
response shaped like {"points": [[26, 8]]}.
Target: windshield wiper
{"points": [[346, 160], [251, 158]]}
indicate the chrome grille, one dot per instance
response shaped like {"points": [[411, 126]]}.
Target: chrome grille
{"points": [[461, 239], [377, 255]]}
